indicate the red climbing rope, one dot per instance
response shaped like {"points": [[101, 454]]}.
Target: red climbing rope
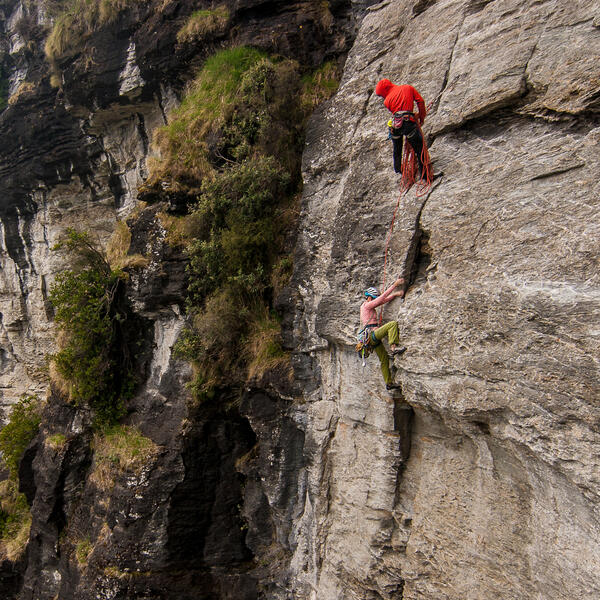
{"points": [[409, 168], [387, 244], [409, 171]]}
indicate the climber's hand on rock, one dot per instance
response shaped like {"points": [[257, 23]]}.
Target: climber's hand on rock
{"points": [[399, 281]]}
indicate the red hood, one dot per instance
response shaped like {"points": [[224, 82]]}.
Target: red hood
{"points": [[383, 88]]}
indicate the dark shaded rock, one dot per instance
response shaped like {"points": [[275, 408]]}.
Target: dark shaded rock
{"points": [[175, 529], [11, 579], [164, 280]]}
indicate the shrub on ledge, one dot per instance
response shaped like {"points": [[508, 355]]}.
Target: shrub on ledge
{"points": [[15, 436], [94, 363], [234, 148]]}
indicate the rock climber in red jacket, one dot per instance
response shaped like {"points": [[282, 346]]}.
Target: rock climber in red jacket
{"points": [[400, 100]]}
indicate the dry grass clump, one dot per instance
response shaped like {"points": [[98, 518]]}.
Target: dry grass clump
{"points": [[320, 85], [25, 89], [76, 20], [118, 247], [58, 382], [263, 346], [179, 230], [204, 23], [15, 521], [120, 449], [57, 441], [217, 330]]}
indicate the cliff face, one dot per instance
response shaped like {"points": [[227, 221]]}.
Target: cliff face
{"points": [[497, 495], [479, 480]]}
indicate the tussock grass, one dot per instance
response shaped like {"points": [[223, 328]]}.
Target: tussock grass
{"points": [[59, 382], [57, 441], [263, 345], [120, 449], [76, 20], [118, 247], [179, 230], [204, 23], [25, 89], [15, 521], [320, 85], [182, 143]]}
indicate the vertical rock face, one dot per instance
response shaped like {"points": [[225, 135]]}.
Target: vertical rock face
{"points": [[479, 480], [495, 493]]}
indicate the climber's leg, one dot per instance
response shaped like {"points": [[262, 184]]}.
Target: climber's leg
{"points": [[390, 330], [397, 141], [385, 362]]}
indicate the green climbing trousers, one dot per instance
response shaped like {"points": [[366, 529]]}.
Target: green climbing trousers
{"points": [[391, 330]]}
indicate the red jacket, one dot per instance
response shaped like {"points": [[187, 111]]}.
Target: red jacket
{"points": [[400, 97]]}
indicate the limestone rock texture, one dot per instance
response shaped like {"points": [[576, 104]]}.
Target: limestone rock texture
{"points": [[480, 480]]}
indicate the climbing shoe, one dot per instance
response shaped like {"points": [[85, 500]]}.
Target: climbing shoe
{"points": [[398, 351], [392, 386]]}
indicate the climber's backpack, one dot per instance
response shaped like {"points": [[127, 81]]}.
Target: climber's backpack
{"points": [[366, 342]]}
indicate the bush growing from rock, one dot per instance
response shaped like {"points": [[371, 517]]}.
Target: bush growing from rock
{"points": [[234, 147], [15, 436], [94, 360]]}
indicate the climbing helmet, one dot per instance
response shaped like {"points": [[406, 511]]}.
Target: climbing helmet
{"points": [[371, 292]]}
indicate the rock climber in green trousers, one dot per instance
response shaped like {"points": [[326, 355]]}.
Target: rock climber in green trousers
{"points": [[369, 320]]}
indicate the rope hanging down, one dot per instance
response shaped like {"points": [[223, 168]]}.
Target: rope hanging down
{"points": [[409, 163], [409, 168], [409, 171], [387, 244]]}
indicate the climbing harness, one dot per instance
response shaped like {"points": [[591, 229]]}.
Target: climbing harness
{"points": [[399, 117], [366, 342]]}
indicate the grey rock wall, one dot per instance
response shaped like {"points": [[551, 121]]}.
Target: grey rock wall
{"points": [[490, 489]]}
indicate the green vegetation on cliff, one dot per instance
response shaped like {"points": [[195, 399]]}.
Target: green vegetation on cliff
{"points": [[233, 148], [15, 519], [18, 432], [204, 23], [120, 449], [93, 366], [184, 142]]}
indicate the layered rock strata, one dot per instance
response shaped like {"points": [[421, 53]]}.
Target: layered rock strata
{"points": [[75, 157]]}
